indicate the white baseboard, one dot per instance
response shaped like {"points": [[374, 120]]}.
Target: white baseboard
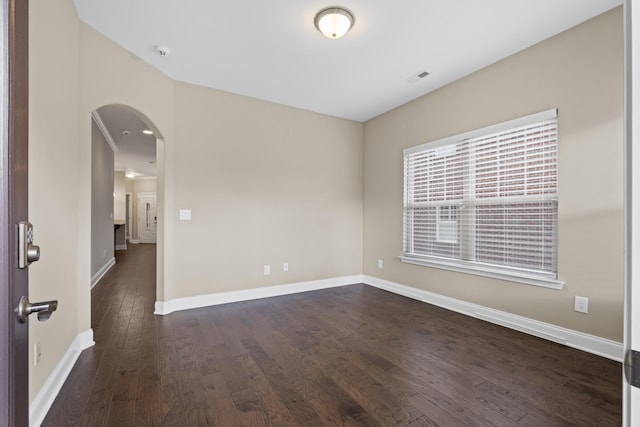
{"points": [[589, 343], [100, 274], [121, 247], [44, 399], [166, 307], [592, 344], [134, 242]]}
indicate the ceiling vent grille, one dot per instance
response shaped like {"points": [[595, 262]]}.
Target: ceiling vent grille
{"points": [[418, 76]]}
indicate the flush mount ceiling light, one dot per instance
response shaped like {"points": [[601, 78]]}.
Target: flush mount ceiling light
{"points": [[334, 22], [130, 174]]}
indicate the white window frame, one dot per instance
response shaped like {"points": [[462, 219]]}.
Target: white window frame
{"points": [[468, 211]]}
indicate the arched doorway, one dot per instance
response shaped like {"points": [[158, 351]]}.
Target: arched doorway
{"points": [[125, 172]]}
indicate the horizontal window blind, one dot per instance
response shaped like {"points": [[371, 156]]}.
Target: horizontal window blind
{"points": [[486, 198]]}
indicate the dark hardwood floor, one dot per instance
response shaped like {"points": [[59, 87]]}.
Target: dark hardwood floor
{"points": [[354, 356]]}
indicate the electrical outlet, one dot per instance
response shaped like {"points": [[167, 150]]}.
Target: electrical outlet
{"points": [[581, 304], [380, 264], [267, 270], [285, 266], [37, 353]]}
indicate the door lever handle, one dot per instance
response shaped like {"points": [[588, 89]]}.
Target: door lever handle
{"points": [[44, 309]]}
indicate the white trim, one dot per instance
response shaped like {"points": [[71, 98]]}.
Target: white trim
{"points": [[104, 130], [592, 344], [478, 270], [100, 274], [129, 213], [134, 241], [631, 394], [166, 307], [581, 341], [44, 399], [121, 247]]}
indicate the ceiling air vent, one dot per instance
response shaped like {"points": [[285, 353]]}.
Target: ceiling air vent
{"points": [[418, 76]]}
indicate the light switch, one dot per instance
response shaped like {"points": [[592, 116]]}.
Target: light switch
{"points": [[185, 214], [581, 304]]}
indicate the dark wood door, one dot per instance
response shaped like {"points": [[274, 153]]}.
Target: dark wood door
{"points": [[14, 367]]}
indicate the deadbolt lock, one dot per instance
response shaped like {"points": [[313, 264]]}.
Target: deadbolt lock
{"points": [[27, 251]]}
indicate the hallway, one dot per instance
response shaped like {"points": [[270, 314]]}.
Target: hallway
{"points": [[350, 356], [122, 367]]}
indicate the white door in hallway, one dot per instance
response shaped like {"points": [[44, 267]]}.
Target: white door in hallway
{"points": [[147, 217]]}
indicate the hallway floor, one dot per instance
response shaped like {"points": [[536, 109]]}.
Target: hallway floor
{"points": [[350, 356]]}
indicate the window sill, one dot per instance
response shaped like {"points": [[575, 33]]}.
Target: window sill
{"points": [[486, 272]]}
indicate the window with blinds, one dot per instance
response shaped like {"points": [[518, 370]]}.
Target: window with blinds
{"points": [[486, 201]]}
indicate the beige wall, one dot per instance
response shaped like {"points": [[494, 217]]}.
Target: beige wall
{"points": [[54, 82], [119, 200], [102, 201], [309, 215], [580, 72], [111, 75], [266, 184]]}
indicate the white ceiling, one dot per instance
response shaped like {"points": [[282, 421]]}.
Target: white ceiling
{"points": [[136, 151], [271, 50]]}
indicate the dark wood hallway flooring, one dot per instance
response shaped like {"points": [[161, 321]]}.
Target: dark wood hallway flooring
{"points": [[350, 356]]}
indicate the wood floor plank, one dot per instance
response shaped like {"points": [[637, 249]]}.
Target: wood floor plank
{"points": [[351, 381], [368, 358], [261, 399], [349, 356], [457, 345]]}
